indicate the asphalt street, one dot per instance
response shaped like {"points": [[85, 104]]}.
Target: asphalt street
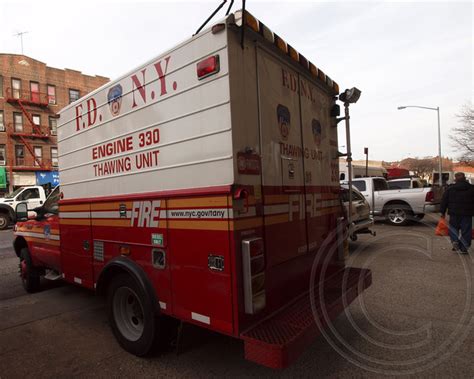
{"points": [[416, 320]]}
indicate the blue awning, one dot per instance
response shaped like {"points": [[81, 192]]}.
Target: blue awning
{"points": [[45, 177]]}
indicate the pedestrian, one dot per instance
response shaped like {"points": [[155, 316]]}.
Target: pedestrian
{"points": [[458, 200]]}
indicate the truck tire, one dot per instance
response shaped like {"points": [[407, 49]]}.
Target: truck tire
{"points": [[4, 221], [131, 315], [30, 275], [398, 214]]}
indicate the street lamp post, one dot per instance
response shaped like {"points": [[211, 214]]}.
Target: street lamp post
{"points": [[440, 164]]}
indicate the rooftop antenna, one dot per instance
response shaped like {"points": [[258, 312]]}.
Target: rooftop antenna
{"points": [[20, 34]]}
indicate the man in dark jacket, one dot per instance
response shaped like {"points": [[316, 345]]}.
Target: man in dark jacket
{"points": [[458, 200]]}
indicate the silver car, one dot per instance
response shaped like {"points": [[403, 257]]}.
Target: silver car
{"points": [[361, 219]]}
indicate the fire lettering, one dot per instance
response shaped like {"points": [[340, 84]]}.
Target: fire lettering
{"points": [[91, 105], [162, 75], [137, 85], [78, 117], [91, 111], [145, 214]]}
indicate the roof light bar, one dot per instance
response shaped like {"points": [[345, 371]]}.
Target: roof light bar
{"points": [[282, 45]]}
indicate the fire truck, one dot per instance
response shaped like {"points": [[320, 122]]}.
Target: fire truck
{"points": [[203, 186]]}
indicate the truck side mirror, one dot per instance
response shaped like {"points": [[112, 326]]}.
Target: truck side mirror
{"points": [[21, 212]]}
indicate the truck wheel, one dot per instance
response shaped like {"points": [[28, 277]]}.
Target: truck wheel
{"points": [[30, 275], [398, 214], [131, 315], [4, 221]]}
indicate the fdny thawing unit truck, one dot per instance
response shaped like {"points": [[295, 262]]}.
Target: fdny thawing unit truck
{"points": [[203, 186]]}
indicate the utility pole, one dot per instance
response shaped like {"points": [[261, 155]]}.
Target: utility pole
{"points": [[20, 34]]}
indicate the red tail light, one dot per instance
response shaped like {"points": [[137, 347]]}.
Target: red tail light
{"points": [[429, 196], [207, 67]]}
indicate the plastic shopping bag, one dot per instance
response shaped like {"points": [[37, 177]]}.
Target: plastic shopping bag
{"points": [[442, 227]]}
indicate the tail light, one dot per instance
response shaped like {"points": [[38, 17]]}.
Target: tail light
{"points": [[253, 264], [207, 67], [429, 196]]}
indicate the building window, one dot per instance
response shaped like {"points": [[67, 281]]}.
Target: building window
{"points": [[37, 121], [53, 124], [3, 156], [35, 92], [51, 94], [2, 122], [38, 154], [19, 155], [16, 88], [1, 86], [73, 95], [54, 156], [18, 122]]}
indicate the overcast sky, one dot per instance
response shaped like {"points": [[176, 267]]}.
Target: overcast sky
{"points": [[397, 53]]}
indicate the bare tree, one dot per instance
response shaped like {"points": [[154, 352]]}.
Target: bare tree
{"points": [[424, 167], [463, 135]]}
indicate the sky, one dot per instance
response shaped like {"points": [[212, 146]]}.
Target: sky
{"points": [[396, 53]]}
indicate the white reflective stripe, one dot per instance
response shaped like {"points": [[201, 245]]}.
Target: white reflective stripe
{"points": [[54, 237], [276, 209], [201, 318], [77, 280], [74, 214], [162, 305], [214, 213], [109, 214]]}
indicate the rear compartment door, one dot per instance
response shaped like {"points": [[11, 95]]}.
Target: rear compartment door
{"points": [[282, 159], [76, 244], [320, 162]]}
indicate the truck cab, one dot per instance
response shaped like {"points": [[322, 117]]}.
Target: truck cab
{"points": [[37, 240]]}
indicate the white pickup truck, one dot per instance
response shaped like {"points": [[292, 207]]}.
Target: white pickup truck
{"points": [[34, 196], [398, 206]]}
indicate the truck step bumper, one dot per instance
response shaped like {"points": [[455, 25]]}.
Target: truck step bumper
{"points": [[278, 341]]}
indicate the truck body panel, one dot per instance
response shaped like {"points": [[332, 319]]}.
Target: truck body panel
{"points": [[222, 188]]}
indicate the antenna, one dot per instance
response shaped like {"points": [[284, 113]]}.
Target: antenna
{"points": [[20, 34]]}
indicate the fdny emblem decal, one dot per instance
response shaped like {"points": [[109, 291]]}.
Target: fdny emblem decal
{"points": [[283, 115], [317, 130], [114, 99], [47, 231]]}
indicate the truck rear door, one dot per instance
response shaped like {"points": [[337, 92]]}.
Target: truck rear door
{"points": [[282, 160]]}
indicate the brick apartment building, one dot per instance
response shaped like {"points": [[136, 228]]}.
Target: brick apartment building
{"points": [[31, 94]]}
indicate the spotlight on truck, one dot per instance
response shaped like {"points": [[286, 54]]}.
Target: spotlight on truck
{"points": [[350, 95]]}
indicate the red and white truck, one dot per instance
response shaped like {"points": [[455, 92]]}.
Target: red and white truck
{"points": [[203, 186]]}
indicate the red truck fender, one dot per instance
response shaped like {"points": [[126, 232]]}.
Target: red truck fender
{"points": [[121, 265]]}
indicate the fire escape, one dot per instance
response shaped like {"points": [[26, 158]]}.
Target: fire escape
{"points": [[30, 131]]}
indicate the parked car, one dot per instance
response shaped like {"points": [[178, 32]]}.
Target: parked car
{"points": [[362, 221], [398, 206], [33, 196]]}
